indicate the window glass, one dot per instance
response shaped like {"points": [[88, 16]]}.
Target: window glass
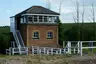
{"points": [[30, 18], [56, 19], [50, 35], [35, 18], [50, 19], [36, 35], [21, 21], [45, 19], [40, 19]]}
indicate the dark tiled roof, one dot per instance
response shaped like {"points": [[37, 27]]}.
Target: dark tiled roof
{"points": [[38, 10]]}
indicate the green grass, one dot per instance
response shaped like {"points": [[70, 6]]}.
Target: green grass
{"points": [[5, 29]]}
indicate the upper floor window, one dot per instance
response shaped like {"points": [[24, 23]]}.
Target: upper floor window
{"points": [[56, 19], [50, 19], [45, 19], [35, 35], [50, 35], [30, 18], [40, 18], [22, 20], [35, 18]]}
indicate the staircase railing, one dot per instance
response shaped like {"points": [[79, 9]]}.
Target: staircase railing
{"points": [[20, 38], [16, 40]]}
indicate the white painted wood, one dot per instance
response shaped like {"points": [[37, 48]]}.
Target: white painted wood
{"points": [[69, 47], [78, 47], [12, 51], [81, 48], [47, 51], [60, 51], [87, 47], [40, 14], [32, 50], [51, 50], [74, 50]]}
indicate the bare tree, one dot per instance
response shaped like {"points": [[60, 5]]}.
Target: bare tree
{"points": [[76, 20], [82, 27], [93, 19], [92, 16]]}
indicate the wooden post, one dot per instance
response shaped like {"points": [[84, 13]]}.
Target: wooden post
{"points": [[32, 50], [51, 50], [44, 50], [60, 51], [78, 46], [74, 50], [26, 50], [47, 51], [64, 50], [81, 48], [20, 50], [12, 51], [37, 50], [69, 47]]}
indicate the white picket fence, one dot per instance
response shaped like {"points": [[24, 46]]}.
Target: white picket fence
{"points": [[78, 46], [47, 50], [69, 47], [12, 51]]}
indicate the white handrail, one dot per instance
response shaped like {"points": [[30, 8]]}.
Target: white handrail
{"points": [[21, 38], [16, 39]]}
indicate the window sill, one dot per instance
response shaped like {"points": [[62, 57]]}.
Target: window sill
{"points": [[49, 38], [35, 38]]}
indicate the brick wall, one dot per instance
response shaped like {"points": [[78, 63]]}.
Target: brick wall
{"points": [[43, 29]]}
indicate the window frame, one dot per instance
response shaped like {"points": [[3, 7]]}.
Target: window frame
{"points": [[35, 18], [34, 35], [50, 33], [29, 19]]}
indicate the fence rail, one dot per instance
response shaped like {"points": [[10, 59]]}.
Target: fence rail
{"points": [[69, 48]]}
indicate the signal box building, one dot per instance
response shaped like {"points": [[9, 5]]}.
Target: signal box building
{"points": [[35, 26]]}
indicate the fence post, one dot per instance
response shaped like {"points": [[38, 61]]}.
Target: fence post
{"points": [[32, 50], [60, 51], [12, 51], [20, 50], [69, 47], [51, 50], [78, 46], [81, 48], [74, 50], [64, 50], [27, 50], [44, 50], [47, 51], [37, 50]]}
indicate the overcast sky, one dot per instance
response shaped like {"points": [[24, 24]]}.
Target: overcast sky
{"points": [[9, 8]]}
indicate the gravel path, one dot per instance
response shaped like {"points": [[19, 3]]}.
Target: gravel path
{"points": [[56, 59]]}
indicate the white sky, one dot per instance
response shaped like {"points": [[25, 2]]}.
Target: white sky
{"points": [[9, 8], [68, 9]]}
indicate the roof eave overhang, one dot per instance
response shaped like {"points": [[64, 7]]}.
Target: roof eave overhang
{"points": [[41, 14]]}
